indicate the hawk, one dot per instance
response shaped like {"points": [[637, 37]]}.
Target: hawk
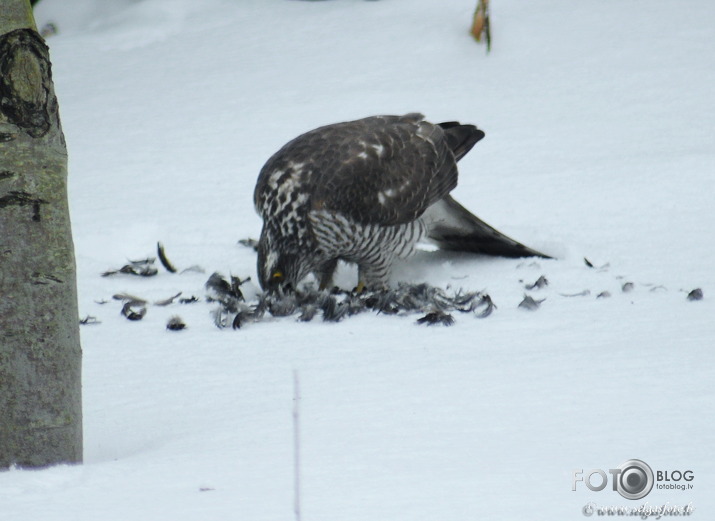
{"points": [[366, 192]]}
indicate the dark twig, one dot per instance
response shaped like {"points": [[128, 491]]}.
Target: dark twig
{"points": [[296, 444]]}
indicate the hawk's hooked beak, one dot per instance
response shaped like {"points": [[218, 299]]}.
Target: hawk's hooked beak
{"points": [[277, 283]]}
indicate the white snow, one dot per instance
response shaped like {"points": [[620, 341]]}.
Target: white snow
{"points": [[599, 119]]}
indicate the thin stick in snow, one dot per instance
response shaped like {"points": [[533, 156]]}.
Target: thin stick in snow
{"points": [[296, 444]]}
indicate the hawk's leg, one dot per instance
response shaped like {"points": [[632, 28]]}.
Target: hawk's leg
{"points": [[325, 273], [374, 276]]}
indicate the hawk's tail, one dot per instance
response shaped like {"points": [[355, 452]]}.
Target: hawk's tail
{"points": [[453, 227], [461, 138]]}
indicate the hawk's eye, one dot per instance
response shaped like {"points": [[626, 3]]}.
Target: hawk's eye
{"points": [[277, 276]]}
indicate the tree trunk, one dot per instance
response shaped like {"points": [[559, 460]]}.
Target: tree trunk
{"points": [[40, 354]]}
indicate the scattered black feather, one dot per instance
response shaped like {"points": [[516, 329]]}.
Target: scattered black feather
{"points": [[308, 312], [530, 304], [236, 283], [164, 259], [249, 243], [604, 294], [340, 304], [191, 300], [135, 268], [89, 320], [175, 324], [142, 262], [245, 314], [384, 302], [218, 284], [233, 310], [281, 305], [333, 309], [126, 297], [489, 306], [584, 293], [195, 269], [238, 321], [541, 282], [221, 317], [354, 304], [468, 302], [628, 287], [227, 293], [592, 265], [167, 301], [134, 310], [696, 294], [436, 317]]}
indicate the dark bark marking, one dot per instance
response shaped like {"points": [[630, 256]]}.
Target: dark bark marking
{"points": [[27, 104], [23, 199], [40, 279], [36, 212], [6, 174]]}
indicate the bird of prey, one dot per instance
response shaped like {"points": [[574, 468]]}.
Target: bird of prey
{"points": [[366, 192]]}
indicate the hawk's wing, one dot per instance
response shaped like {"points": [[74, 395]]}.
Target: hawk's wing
{"points": [[452, 227], [379, 170]]}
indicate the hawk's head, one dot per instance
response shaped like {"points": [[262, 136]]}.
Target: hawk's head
{"points": [[278, 268]]}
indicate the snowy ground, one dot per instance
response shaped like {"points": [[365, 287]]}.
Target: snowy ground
{"points": [[599, 119]]}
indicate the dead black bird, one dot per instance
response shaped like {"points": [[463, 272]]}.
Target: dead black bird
{"points": [[337, 304]]}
